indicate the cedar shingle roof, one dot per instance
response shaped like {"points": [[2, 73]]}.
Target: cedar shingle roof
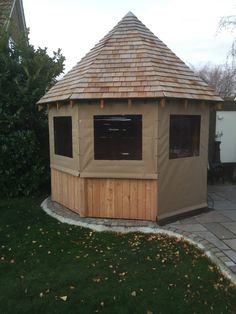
{"points": [[130, 62], [5, 9]]}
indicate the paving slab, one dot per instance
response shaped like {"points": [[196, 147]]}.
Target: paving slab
{"points": [[224, 196], [227, 260], [233, 269], [212, 216], [189, 220], [231, 226], [223, 189], [228, 191], [213, 239], [230, 214], [224, 204], [216, 197], [219, 230], [231, 254], [231, 243], [190, 227]]}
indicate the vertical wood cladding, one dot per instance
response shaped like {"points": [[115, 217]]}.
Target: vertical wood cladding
{"points": [[110, 198]]}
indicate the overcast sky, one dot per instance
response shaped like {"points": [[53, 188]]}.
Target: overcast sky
{"points": [[187, 27]]}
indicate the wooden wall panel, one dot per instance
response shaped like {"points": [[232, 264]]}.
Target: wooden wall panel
{"points": [[110, 198], [68, 190], [122, 198]]}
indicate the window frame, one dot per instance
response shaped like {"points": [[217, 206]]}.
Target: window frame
{"points": [[189, 139], [104, 137], [58, 149]]}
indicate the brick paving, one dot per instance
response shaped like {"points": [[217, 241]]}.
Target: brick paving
{"points": [[214, 230]]}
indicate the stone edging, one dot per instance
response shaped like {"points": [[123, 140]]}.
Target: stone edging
{"points": [[209, 249]]}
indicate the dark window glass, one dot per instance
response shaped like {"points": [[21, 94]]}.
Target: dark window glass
{"points": [[118, 137], [63, 136], [184, 135]]}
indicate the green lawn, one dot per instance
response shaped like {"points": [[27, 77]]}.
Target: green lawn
{"points": [[50, 267]]}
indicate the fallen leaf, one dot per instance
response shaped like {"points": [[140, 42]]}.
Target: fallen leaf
{"points": [[64, 298], [133, 293], [96, 279]]}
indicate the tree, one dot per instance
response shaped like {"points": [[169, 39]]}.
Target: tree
{"points": [[26, 74], [222, 78], [229, 23]]}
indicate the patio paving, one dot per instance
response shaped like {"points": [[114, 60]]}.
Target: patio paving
{"points": [[217, 227]]}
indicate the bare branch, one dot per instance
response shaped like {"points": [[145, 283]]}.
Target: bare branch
{"points": [[222, 78], [228, 23]]}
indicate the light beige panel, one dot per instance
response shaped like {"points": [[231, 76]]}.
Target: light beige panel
{"points": [[182, 182], [65, 164], [146, 168]]}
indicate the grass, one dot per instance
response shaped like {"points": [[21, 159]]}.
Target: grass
{"points": [[50, 267]]}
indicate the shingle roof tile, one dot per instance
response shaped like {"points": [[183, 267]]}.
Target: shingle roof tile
{"points": [[130, 61]]}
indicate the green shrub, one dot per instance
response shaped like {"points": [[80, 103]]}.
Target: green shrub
{"points": [[25, 75], [22, 170]]}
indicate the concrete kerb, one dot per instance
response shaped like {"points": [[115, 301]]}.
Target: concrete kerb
{"points": [[120, 229]]}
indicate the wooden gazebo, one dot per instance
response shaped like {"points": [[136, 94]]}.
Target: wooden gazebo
{"points": [[129, 130]]}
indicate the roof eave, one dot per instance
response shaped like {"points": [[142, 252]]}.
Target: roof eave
{"points": [[45, 101]]}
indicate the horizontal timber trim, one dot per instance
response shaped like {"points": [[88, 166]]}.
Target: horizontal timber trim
{"points": [[66, 170], [107, 175], [108, 198]]}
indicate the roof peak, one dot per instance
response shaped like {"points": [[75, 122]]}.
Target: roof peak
{"points": [[130, 14]]}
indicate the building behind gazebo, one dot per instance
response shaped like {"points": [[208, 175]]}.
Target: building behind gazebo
{"points": [[12, 18], [129, 130]]}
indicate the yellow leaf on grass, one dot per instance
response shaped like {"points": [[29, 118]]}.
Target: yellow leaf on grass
{"points": [[96, 279]]}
